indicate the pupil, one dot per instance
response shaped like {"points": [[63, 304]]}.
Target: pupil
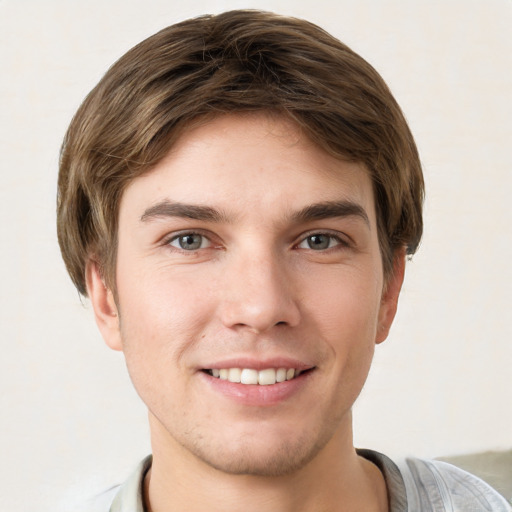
{"points": [[318, 242], [190, 242]]}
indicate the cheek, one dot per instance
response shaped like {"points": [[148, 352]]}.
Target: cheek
{"points": [[163, 314], [346, 316], [162, 319], [344, 306]]}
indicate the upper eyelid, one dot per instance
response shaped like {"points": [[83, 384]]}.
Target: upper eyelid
{"points": [[183, 232], [341, 236], [176, 237]]}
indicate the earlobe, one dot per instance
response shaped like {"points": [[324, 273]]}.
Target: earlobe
{"points": [[389, 302], [104, 305]]}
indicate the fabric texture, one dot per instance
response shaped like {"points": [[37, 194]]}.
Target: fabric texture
{"points": [[414, 485], [494, 467]]}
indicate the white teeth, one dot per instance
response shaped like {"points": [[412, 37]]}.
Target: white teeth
{"points": [[265, 377], [281, 375], [249, 376], [234, 374]]}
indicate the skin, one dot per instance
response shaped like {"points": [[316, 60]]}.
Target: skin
{"points": [[263, 283]]}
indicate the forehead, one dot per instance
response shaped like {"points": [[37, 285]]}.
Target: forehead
{"points": [[249, 162]]}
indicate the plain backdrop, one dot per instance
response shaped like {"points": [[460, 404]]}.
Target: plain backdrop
{"points": [[71, 425]]}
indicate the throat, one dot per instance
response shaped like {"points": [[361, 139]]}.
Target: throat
{"points": [[308, 490]]}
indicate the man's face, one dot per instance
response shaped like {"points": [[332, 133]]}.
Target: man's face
{"points": [[250, 253]]}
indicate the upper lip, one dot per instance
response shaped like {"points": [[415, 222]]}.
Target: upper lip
{"points": [[258, 363]]}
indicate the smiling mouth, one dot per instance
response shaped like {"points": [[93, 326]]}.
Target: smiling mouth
{"points": [[253, 377]]}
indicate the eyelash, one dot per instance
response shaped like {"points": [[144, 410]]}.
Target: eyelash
{"points": [[176, 237], [340, 242]]}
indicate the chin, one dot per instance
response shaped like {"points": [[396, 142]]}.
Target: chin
{"points": [[260, 457]]}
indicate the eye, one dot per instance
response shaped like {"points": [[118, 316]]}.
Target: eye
{"points": [[319, 242], [189, 242]]}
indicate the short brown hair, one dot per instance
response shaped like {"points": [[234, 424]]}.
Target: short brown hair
{"points": [[238, 61]]}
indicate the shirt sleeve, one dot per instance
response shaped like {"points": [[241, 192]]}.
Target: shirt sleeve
{"points": [[434, 486]]}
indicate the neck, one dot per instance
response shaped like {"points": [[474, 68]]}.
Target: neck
{"points": [[335, 480]]}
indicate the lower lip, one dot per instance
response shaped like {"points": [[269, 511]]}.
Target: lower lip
{"points": [[256, 395]]}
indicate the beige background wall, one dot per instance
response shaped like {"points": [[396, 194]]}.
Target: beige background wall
{"points": [[70, 422]]}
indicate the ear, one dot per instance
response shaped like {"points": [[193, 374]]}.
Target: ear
{"points": [[104, 305], [389, 301]]}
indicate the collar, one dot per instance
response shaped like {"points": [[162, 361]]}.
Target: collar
{"points": [[129, 497]]}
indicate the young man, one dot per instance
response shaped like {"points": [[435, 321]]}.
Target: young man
{"points": [[237, 197]]}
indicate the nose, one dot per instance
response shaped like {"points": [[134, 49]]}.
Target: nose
{"points": [[258, 294]]}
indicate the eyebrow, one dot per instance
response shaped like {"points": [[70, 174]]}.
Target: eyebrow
{"points": [[168, 208], [331, 209], [318, 211]]}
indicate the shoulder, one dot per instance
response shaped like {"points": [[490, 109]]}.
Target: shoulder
{"points": [[435, 485], [96, 503], [126, 497]]}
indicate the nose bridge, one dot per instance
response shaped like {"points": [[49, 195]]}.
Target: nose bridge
{"points": [[258, 292]]}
